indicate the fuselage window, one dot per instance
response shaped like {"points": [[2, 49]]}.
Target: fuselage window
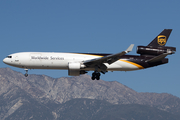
{"points": [[9, 56]]}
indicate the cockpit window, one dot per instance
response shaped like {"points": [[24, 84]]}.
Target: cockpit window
{"points": [[9, 56]]}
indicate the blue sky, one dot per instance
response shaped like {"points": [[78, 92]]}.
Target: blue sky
{"points": [[95, 26]]}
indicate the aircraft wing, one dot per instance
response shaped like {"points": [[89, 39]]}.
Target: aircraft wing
{"points": [[108, 59]]}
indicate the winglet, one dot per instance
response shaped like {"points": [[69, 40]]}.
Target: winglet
{"points": [[130, 48]]}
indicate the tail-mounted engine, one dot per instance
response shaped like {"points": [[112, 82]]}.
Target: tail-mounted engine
{"points": [[149, 50]]}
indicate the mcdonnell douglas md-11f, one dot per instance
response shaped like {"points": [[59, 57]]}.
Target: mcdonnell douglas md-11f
{"points": [[80, 63]]}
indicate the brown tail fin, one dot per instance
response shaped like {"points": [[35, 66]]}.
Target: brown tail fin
{"points": [[161, 39]]}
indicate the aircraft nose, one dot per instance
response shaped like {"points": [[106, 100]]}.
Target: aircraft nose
{"points": [[5, 60]]}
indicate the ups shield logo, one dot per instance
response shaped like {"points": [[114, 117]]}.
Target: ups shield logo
{"points": [[161, 40]]}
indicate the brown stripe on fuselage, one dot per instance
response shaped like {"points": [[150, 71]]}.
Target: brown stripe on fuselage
{"points": [[135, 64]]}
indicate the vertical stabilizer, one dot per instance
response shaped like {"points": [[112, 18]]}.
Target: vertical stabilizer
{"points": [[161, 39]]}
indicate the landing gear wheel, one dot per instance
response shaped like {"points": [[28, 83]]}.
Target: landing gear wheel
{"points": [[26, 75], [95, 75], [93, 78]]}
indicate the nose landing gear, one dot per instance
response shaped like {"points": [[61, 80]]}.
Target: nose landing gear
{"points": [[26, 74]]}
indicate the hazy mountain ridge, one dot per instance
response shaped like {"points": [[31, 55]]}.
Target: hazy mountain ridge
{"points": [[56, 96], [102, 110]]}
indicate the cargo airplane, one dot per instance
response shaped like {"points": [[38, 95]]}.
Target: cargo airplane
{"points": [[80, 63]]}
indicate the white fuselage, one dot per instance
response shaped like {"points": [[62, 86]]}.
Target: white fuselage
{"points": [[51, 60]]}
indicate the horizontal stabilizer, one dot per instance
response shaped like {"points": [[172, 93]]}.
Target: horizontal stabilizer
{"points": [[158, 58]]}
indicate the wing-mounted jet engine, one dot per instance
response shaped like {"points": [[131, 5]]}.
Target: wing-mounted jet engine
{"points": [[74, 69]]}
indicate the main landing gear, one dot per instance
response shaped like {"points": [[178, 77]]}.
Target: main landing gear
{"points": [[26, 74], [100, 68], [95, 75]]}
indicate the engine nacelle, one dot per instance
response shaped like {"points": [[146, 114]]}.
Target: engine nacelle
{"points": [[146, 50], [74, 69]]}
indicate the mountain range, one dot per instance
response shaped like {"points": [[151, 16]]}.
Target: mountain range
{"points": [[40, 97]]}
